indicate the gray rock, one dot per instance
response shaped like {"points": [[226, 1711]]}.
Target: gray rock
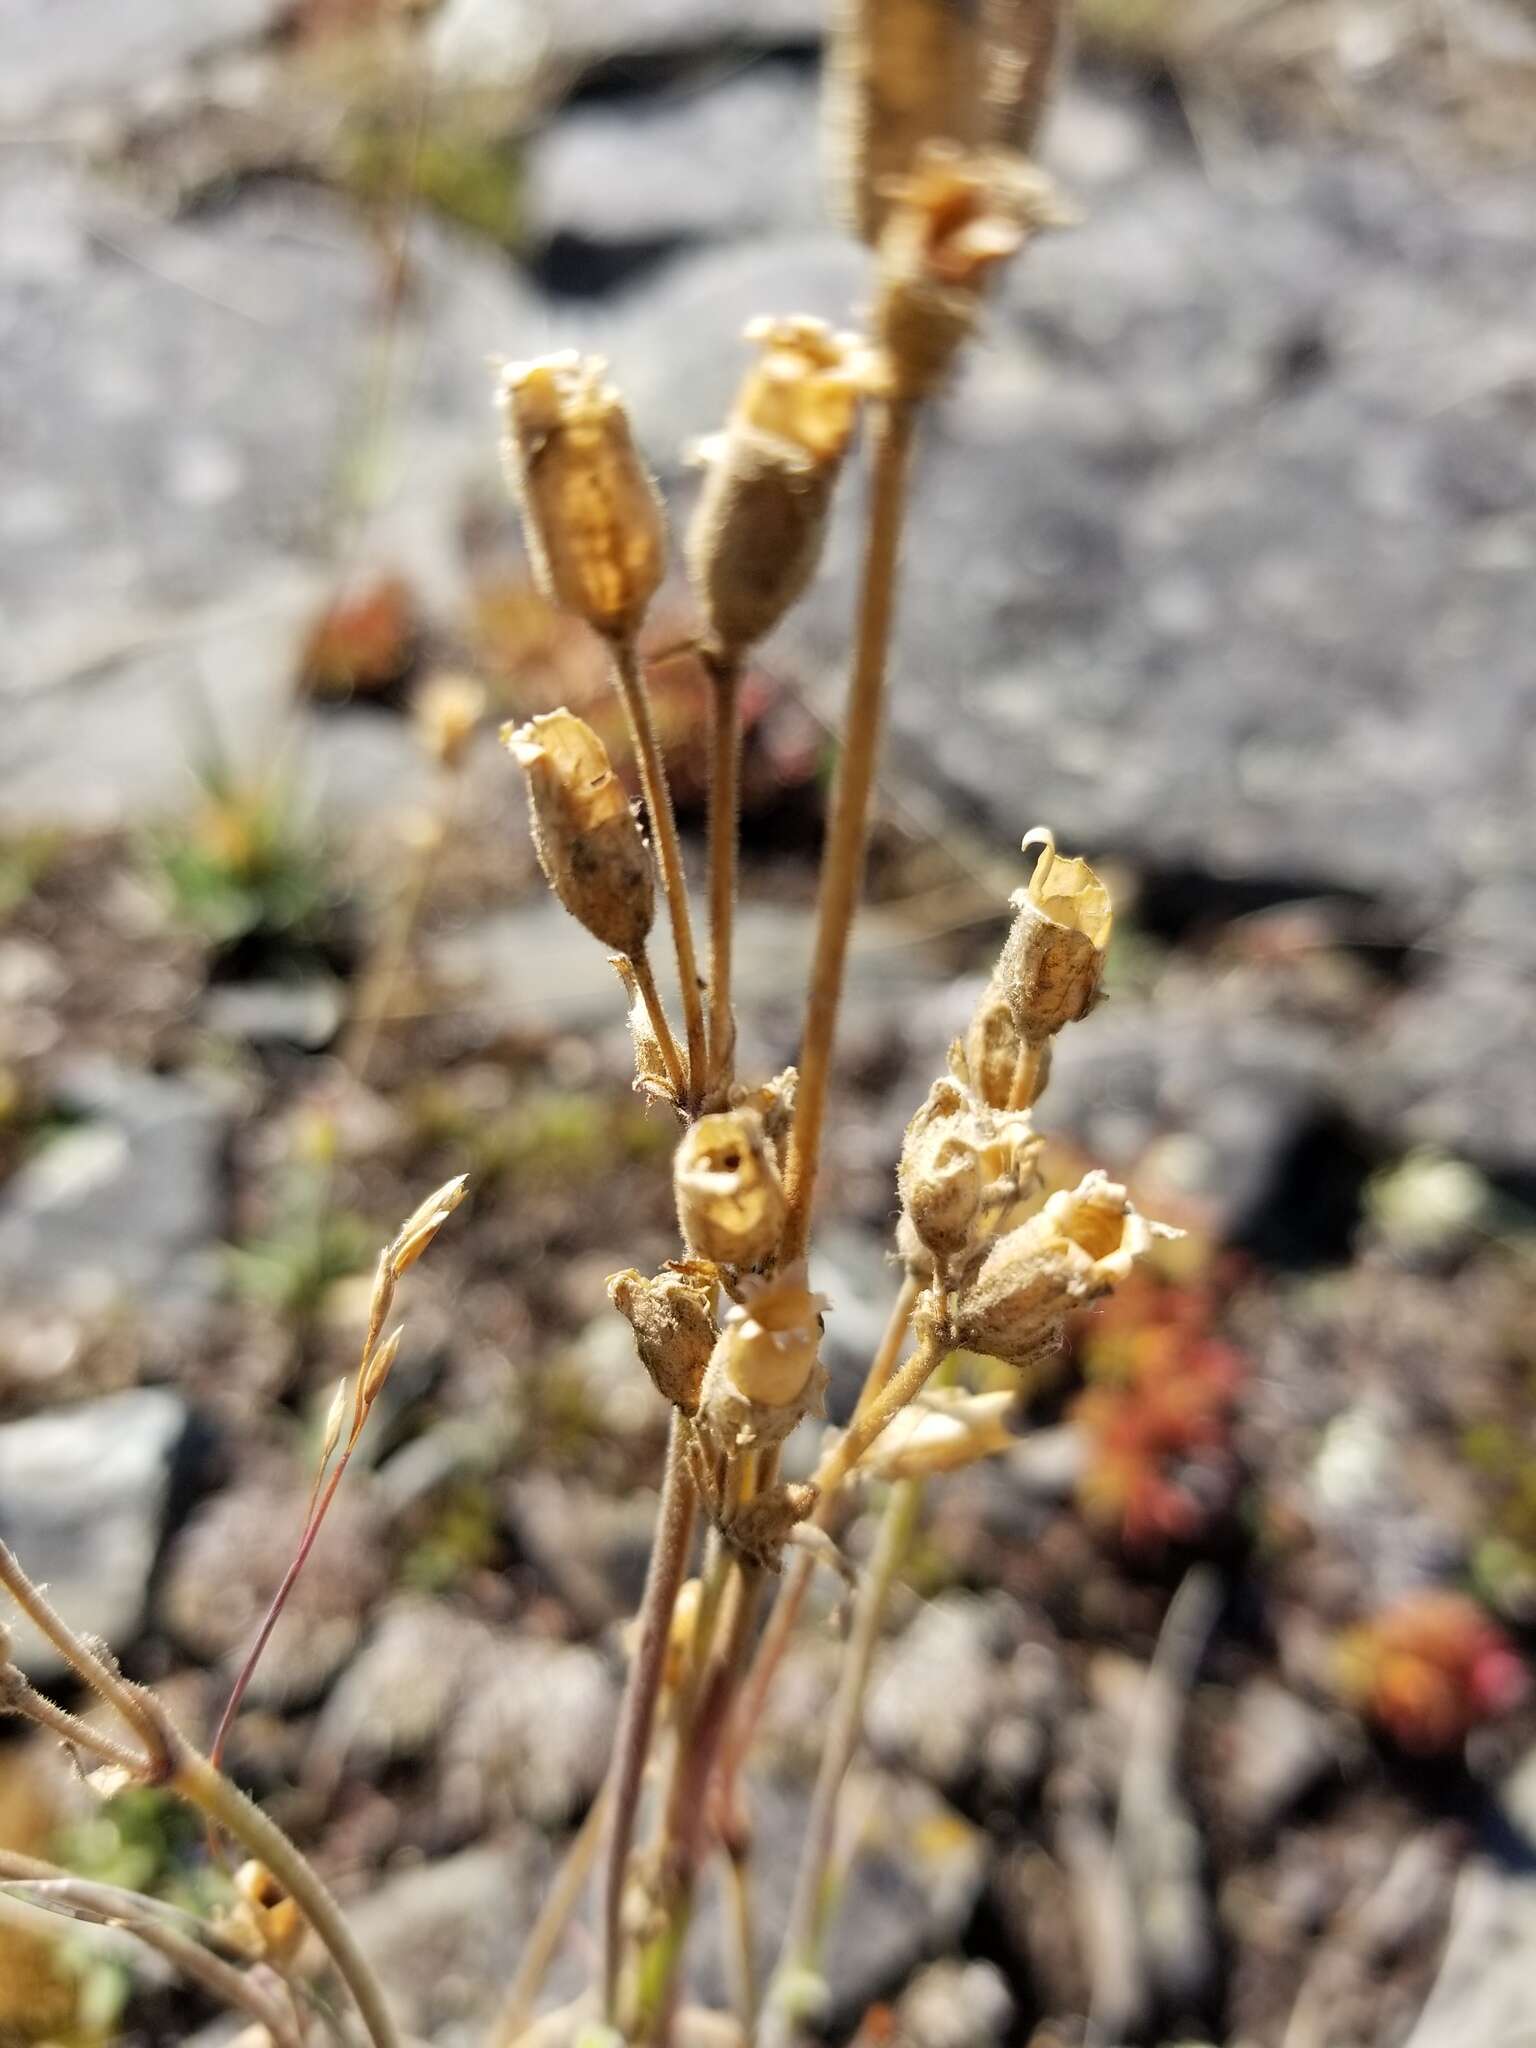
{"points": [[125, 1206], [1451, 1066], [1282, 1749], [735, 158], [83, 1497], [398, 1692], [302, 1013], [589, 31], [532, 1735], [956, 2004], [106, 50], [590, 1547]]}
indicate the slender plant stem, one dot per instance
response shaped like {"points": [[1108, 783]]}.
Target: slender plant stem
{"points": [[637, 1716], [17, 1697], [661, 1024], [669, 853], [560, 1902], [902, 1388], [800, 1958], [883, 1365], [842, 861], [103, 1679], [389, 956], [197, 1781], [740, 1938], [724, 830]]}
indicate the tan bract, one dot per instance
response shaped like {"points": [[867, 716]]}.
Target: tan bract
{"points": [[673, 1320]]}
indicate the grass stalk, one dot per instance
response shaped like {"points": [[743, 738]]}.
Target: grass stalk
{"points": [[842, 862], [630, 684]]}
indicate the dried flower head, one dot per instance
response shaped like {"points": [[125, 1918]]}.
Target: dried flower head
{"points": [[584, 831], [592, 517], [447, 709], [264, 1911], [1053, 959], [900, 73], [943, 1429], [673, 1318], [756, 536], [1081, 1243], [730, 1200], [964, 1170], [954, 218], [765, 1373], [987, 1059]]}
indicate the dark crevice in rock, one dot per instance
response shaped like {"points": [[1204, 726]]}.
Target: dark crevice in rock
{"points": [[671, 73], [569, 266], [1307, 1213]]}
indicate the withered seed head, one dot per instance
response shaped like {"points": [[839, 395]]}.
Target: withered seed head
{"points": [[954, 218], [900, 73], [965, 1169], [765, 1372], [1053, 960], [730, 1200], [673, 1320], [584, 831], [756, 535], [592, 517], [986, 1060]]}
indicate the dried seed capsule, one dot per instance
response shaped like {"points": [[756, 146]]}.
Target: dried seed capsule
{"points": [[774, 1102], [1053, 959], [272, 1917], [447, 709], [940, 1177], [943, 1429], [756, 536], [986, 1060], [954, 218], [673, 1318], [765, 1373], [1081, 1244], [584, 831], [900, 73], [730, 1200], [592, 516]]}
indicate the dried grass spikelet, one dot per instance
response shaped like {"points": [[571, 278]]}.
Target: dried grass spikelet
{"points": [[673, 1318], [584, 831], [963, 1168], [447, 709], [730, 1200], [592, 516], [954, 218], [756, 535], [941, 1430], [1053, 959], [900, 73], [765, 1373], [1023, 40], [1084, 1241]]}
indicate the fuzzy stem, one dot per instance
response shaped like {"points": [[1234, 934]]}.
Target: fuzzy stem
{"points": [[669, 1562], [904, 1386], [800, 1957], [669, 853], [19, 1698], [724, 828], [197, 1781], [560, 1902], [842, 861], [661, 1024]]}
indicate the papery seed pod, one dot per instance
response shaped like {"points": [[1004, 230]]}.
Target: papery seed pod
{"points": [[756, 535], [592, 516], [673, 1320], [943, 1429], [447, 710], [730, 1200], [1081, 1244], [1023, 45], [899, 73], [765, 1373], [774, 1102], [275, 1919], [584, 831], [940, 1176], [1053, 959], [954, 218], [986, 1060]]}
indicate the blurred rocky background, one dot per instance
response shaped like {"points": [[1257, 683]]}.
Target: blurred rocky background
{"points": [[1220, 562]]}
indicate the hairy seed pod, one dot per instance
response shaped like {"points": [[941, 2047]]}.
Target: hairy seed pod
{"points": [[756, 535], [592, 516], [986, 1060], [673, 1318], [1023, 44], [1084, 1241], [954, 218], [1053, 959], [584, 831], [940, 1176], [943, 1429], [765, 1373], [899, 73], [273, 1917], [730, 1200], [774, 1102]]}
